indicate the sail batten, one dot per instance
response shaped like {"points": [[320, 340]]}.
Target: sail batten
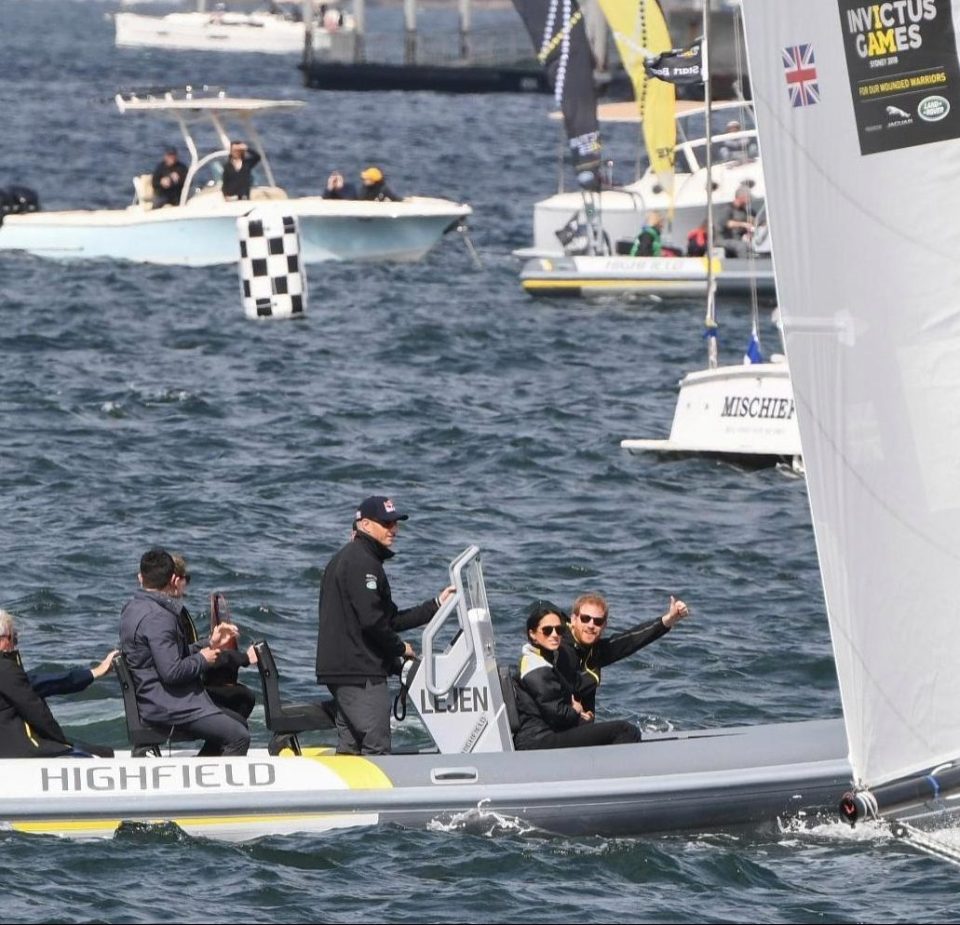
{"points": [[859, 123]]}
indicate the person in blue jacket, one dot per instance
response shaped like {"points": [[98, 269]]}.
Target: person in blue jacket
{"points": [[71, 681]]}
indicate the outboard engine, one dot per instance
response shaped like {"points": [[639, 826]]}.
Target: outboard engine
{"points": [[15, 200], [456, 685]]}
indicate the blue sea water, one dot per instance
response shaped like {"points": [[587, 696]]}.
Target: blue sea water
{"points": [[139, 407]]}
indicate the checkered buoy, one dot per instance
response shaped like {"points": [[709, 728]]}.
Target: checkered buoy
{"points": [[273, 281]]}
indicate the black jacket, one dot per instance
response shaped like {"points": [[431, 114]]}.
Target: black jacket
{"points": [[27, 727], [545, 691], [359, 623], [169, 196], [378, 192], [591, 659], [237, 182]]}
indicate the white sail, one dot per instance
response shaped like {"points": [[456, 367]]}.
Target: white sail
{"points": [[858, 107]]}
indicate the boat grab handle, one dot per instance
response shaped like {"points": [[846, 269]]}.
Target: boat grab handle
{"points": [[449, 606], [454, 775]]}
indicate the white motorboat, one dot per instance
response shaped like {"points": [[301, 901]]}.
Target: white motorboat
{"points": [[620, 211], [202, 230], [277, 30]]}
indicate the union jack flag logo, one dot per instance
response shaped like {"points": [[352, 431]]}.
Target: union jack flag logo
{"points": [[801, 74]]}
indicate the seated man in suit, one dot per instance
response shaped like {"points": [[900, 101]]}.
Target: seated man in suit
{"points": [[168, 672]]}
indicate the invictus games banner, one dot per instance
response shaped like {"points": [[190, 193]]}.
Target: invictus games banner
{"points": [[904, 72]]}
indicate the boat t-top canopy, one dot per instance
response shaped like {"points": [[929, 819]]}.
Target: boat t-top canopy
{"points": [[189, 109], [224, 105]]}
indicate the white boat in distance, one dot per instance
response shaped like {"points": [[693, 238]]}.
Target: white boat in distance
{"points": [[202, 230], [621, 210], [278, 30]]}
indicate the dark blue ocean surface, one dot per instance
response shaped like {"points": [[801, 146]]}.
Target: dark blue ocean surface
{"points": [[140, 407]]}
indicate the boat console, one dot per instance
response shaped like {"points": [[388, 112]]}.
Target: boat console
{"points": [[455, 686]]}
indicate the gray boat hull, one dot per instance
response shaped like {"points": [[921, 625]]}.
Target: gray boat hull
{"points": [[703, 780]]}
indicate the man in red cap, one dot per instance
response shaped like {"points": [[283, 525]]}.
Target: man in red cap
{"points": [[358, 641]]}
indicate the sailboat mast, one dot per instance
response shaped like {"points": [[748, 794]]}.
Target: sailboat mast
{"points": [[710, 321]]}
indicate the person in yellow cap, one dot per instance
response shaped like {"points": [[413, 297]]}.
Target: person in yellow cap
{"points": [[374, 187]]}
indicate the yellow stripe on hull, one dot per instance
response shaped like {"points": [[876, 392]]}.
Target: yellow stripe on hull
{"points": [[265, 823], [640, 285], [356, 772]]}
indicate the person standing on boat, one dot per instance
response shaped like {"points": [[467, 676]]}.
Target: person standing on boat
{"points": [[27, 727], [737, 224], [358, 642], [238, 171], [552, 715], [168, 180], [584, 643], [167, 672], [374, 188]]}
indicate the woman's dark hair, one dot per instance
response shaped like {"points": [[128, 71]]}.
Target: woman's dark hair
{"points": [[538, 610]]}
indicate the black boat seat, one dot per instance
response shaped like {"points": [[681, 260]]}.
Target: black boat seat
{"points": [[287, 720], [145, 738], [508, 681]]}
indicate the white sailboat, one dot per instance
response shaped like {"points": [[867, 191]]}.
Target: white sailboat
{"points": [[744, 412], [859, 114], [279, 28]]}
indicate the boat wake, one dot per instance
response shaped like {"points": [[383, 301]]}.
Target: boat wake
{"points": [[483, 822], [824, 828]]}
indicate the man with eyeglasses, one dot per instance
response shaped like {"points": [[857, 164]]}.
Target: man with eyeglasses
{"points": [[168, 672], [358, 642], [593, 652]]}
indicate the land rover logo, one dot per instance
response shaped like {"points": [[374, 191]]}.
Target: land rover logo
{"points": [[933, 108]]}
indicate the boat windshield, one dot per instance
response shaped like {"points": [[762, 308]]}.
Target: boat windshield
{"points": [[738, 148], [735, 117]]}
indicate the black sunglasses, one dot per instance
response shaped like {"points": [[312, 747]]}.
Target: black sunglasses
{"points": [[589, 618], [551, 628]]}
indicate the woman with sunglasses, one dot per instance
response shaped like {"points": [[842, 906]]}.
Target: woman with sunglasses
{"points": [[593, 652], [551, 713]]}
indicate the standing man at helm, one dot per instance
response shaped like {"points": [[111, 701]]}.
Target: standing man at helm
{"points": [[358, 639]]}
